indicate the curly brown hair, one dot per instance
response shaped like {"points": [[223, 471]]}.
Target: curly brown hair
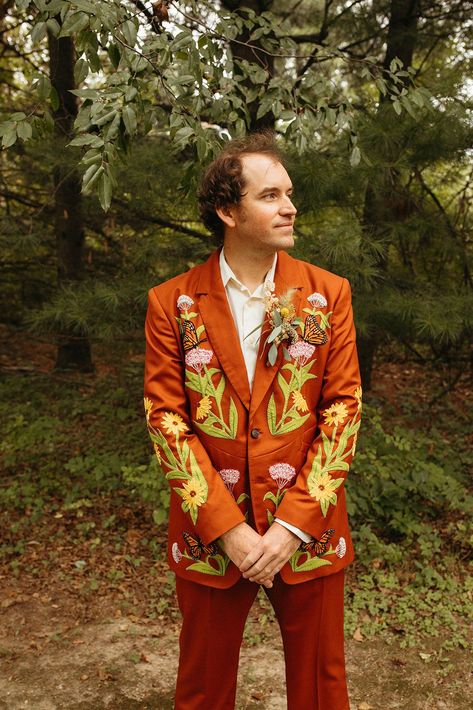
{"points": [[223, 183]]}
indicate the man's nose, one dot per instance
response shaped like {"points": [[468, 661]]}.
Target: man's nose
{"points": [[288, 207]]}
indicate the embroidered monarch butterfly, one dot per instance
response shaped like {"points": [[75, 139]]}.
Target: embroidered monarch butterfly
{"points": [[313, 333], [197, 547], [317, 546], [189, 336]]}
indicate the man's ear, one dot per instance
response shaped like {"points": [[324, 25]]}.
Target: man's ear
{"points": [[226, 214]]}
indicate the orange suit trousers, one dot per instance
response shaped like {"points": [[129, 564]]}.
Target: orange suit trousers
{"points": [[310, 616]]}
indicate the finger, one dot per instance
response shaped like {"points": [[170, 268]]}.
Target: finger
{"points": [[252, 558]]}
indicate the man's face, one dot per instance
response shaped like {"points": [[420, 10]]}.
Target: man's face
{"points": [[264, 218]]}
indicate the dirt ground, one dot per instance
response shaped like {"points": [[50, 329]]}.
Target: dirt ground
{"points": [[102, 658]]}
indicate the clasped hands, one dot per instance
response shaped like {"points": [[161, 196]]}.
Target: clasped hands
{"points": [[259, 557]]}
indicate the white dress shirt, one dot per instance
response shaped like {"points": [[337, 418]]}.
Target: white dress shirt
{"points": [[248, 313]]}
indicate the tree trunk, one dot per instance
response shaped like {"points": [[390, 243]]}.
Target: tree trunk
{"points": [[387, 202], [73, 350]]}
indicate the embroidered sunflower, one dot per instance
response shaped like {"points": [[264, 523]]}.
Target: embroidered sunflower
{"points": [[173, 423], [204, 407], [148, 407], [358, 393], [336, 414], [322, 487], [299, 401], [193, 493]]}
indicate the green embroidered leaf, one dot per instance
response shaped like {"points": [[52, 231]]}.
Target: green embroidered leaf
{"points": [[327, 445], [283, 385], [195, 470], [241, 498], [220, 389], [200, 330], [270, 517], [324, 319], [233, 419], [307, 310], [212, 371], [189, 315], [271, 415], [337, 465], [312, 563], [193, 513], [337, 483], [205, 568], [194, 382], [174, 473], [270, 496], [305, 377], [212, 430], [185, 451], [291, 426]]}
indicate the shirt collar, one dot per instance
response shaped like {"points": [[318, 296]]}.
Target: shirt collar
{"points": [[228, 275]]}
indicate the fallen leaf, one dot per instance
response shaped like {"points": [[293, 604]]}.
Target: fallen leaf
{"points": [[358, 635]]}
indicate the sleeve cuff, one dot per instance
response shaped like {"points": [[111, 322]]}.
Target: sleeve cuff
{"points": [[305, 537]]}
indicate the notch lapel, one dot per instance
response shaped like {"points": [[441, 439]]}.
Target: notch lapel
{"points": [[287, 276], [220, 327]]}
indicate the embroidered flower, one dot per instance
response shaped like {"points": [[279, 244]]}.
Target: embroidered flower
{"points": [[148, 407], [316, 300], [176, 553], [341, 548], [282, 473], [322, 487], [336, 414], [204, 407], [299, 401], [157, 451], [358, 395], [301, 351], [184, 303], [173, 423], [230, 476], [198, 357], [193, 493]]}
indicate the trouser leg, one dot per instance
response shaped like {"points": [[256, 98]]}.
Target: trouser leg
{"points": [[310, 616], [210, 640]]}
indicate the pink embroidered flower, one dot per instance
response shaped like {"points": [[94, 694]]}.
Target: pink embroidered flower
{"points": [[282, 473], [184, 302], [176, 553], [316, 300], [198, 357], [230, 476], [301, 351], [341, 548]]}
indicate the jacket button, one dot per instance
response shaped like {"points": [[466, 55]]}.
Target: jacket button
{"points": [[255, 433]]}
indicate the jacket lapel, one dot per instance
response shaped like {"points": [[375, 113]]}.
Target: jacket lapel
{"points": [[287, 276], [220, 326]]}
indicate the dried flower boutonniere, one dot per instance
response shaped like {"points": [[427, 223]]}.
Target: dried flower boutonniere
{"points": [[283, 322]]}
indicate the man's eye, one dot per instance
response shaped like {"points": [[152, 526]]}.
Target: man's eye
{"points": [[271, 195]]}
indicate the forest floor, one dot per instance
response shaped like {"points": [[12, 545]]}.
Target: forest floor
{"points": [[88, 616]]}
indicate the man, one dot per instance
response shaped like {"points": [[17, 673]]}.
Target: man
{"points": [[255, 428]]}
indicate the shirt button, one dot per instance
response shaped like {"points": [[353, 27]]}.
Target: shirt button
{"points": [[255, 433]]}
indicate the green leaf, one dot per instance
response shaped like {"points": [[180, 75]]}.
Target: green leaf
{"points": [[74, 23], [178, 475], [272, 354], [397, 107], [129, 119], [54, 99], [105, 191], [212, 430], [9, 137], [81, 70], [53, 26], [220, 389], [87, 139], [271, 415], [39, 32], [129, 31], [43, 87], [91, 175], [355, 157], [114, 54], [24, 130]]}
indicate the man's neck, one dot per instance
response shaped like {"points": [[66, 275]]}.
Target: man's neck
{"points": [[249, 268]]}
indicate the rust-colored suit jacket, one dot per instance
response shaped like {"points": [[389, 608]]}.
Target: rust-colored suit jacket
{"points": [[284, 450]]}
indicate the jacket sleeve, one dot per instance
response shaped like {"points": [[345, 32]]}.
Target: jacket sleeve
{"points": [[311, 502], [187, 466]]}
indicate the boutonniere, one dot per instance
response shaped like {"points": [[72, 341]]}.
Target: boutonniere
{"points": [[282, 320]]}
